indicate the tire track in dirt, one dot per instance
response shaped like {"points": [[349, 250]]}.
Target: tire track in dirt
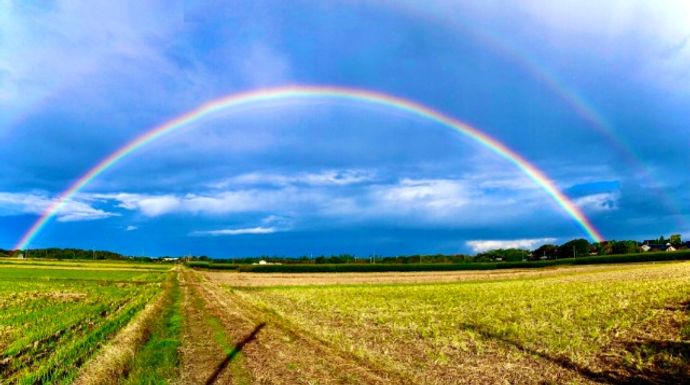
{"points": [[199, 353], [279, 355]]}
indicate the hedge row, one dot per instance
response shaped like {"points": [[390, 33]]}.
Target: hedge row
{"points": [[341, 268], [212, 266]]}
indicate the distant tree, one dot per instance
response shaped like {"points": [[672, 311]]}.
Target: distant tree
{"points": [[676, 240], [625, 247], [574, 248], [548, 250], [511, 255], [604, 247]]}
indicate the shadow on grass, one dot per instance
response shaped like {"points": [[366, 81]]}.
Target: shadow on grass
{"points": [[671, 361], [233, 353]]}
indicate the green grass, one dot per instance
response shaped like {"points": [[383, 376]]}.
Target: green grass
{"points": [[156, 363], [85, 263], [53, 320], [573, 317], [236, 367]]}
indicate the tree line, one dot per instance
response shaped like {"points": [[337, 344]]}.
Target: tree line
{"points": [[576, 248]]}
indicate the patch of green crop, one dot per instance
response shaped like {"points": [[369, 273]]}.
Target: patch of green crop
{"points": [[156, 363], [53, 320]]}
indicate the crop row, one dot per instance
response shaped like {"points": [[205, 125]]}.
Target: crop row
{"points": [[52, 320]]}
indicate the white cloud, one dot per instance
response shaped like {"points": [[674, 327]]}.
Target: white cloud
{"points": [[78, 39], [319, 195], [435, 196], [262, 65], [324, 178], [650, 34], [131, 228], [239, 231], [529, 244], [599, 202], [212, 203], [428, 201], [37, 203]]}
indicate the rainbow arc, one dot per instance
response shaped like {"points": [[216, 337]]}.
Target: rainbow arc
{"points": [[313, 92]]}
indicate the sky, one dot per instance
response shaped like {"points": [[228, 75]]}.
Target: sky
{"points": [[593, 94]]}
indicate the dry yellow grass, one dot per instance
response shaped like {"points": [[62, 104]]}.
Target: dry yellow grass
{"points": [[237, 279], [581, 325]]}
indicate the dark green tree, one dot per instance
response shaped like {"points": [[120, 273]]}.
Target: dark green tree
{"points": [[549, 251], [625, 247], [676, 240], [575, 248], [508, 255]]}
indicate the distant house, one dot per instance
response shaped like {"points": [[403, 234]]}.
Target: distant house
{"points": [[264, 262], [653, 246]]}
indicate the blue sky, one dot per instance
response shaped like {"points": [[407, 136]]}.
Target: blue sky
{"points": [[80, 79]]}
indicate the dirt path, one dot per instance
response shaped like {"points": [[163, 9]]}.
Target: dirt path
{"points": [[280, 354]]}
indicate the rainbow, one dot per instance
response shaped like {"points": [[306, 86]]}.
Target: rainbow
{"points": [[313, 92]]}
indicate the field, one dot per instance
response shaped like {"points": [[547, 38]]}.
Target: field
{"points": [[55, 316], [119, 323]]}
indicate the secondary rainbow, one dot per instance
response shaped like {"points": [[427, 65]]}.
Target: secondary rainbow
{"points": [[313, 92]]}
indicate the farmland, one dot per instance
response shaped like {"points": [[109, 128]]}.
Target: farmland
{"points": [[88, 322], [605, 324], [55, 316]]}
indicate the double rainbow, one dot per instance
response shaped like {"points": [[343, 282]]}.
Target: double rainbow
{"points": [[312, 92]]}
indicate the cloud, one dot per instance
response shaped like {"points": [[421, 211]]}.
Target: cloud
{"points": [[324, 178], [240, 231], [319, 195], [599, 202], [77, 39], [131, 228], [347, 197], [479, 246], [37, 203], [262, 65], [650, 38], [437, 197], [213, 203]]}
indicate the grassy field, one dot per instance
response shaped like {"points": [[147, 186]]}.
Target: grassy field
{"points": [[54, 317], [605, 324], [86, 322]]}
